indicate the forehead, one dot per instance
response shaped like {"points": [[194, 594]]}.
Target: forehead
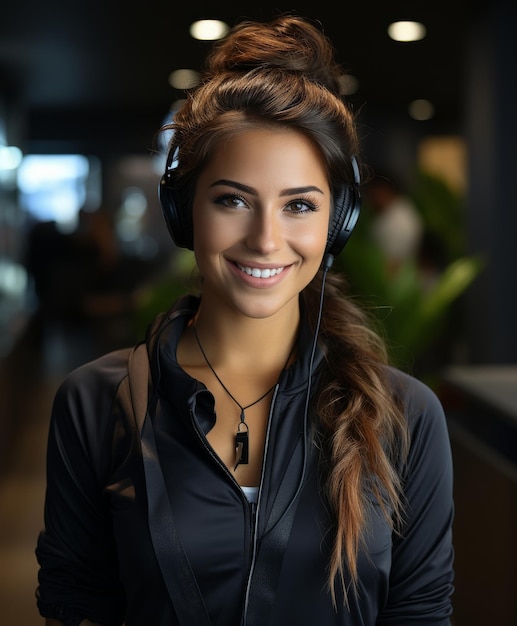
{"points": [[268, 153]]}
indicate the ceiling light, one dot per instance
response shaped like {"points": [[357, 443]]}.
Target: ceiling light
{"points": [[208, 30], [407, 31], [183, 79], [421, 110]]}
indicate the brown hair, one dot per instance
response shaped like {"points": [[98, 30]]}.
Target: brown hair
{"points": [[284, 73]]}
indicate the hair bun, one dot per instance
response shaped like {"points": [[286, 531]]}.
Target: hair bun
{"points": [[287, 43]]}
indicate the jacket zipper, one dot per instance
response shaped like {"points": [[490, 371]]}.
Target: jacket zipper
{"points": [[255, 510]]}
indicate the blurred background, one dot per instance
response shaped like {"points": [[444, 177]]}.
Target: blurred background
{"points": [[85, 260]]}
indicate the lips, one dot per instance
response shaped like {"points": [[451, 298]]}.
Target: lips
{"points": [[258, 272]]}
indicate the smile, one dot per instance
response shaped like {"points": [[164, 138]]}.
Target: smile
{"points": [[259, 273]]}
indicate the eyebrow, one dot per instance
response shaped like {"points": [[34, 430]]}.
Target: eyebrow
{"points": [[285, 192]]}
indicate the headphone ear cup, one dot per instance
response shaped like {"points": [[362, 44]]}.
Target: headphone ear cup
{"points": [[347, 206], [176, 213]]}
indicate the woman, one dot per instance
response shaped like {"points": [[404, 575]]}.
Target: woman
{"points": [[280, 472]]}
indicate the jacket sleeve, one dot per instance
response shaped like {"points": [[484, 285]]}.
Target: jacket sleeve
{"points": [[78, 576], [421, 578]]}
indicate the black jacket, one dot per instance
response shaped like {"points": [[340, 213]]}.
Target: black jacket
{"points": [[253, 567]]}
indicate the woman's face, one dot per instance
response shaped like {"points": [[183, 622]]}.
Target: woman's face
{"points": [[261, 214]]}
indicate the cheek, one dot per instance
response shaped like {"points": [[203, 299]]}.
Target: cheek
{"points": [[312, 242], [210, 235]]}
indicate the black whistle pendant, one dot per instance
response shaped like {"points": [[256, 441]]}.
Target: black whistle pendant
{"points": [[241, 448]]}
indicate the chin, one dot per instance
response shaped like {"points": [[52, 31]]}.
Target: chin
{"points": [[265, 310]]}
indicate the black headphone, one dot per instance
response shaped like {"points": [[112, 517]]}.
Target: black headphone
{"points": [[178, 213]]}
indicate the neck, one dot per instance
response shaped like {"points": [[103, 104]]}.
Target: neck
{"points": [[249, 343]]}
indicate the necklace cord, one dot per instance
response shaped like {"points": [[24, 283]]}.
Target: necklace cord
{"points": [[242, 408], [241, 436]]}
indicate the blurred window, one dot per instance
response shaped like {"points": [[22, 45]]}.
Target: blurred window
{"points": [[56, 187]]}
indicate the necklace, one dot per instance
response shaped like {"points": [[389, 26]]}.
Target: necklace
{"points": [[242, 434]]}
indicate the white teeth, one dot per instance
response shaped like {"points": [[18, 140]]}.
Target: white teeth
{"points": [[258, 273]]}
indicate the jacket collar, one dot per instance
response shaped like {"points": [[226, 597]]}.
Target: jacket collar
{"points": [[164, 334]]}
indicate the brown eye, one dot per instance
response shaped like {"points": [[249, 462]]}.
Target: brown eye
{"points": [[299, 207], [230, 200]]}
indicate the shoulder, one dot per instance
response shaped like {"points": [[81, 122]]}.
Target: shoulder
{"points": [[426, 420], [95, 382], [83, 415], [416, 397]]}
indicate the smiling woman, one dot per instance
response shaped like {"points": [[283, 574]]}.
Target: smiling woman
{"points": [[261, 214], [255, 460]]}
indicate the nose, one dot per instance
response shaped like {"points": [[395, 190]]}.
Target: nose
{"points": [[265, 233]]}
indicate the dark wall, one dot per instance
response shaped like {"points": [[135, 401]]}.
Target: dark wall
{"points": [[491, 102]]}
